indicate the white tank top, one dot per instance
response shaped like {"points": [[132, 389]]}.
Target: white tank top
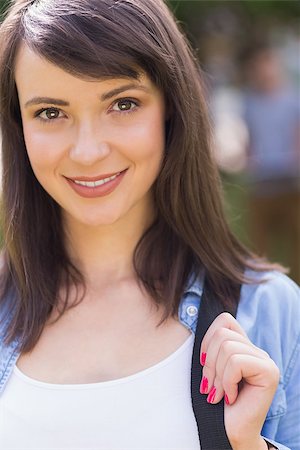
{"points": [[150, 410]]}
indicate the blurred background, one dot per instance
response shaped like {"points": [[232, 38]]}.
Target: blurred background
{"points": [[249, 53]]}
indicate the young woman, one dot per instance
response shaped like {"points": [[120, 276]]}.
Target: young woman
{"points": [[112, 221]]}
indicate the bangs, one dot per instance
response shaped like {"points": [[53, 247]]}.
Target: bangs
{"points": [[101, 39]]}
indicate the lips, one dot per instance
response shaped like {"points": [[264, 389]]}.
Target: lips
{"points": [[96, 178], [93, 184], [99, 186]]}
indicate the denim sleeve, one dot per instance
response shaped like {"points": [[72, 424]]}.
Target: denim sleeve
{"points": [[270, 315], [289, 425], [276, 445]]}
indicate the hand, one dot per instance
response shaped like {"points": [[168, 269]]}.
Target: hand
{"points": [[244, 374]]}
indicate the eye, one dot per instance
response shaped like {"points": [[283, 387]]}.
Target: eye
{"points": [[48, 114], [125, 104]]}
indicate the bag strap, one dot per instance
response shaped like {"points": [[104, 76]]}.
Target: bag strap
{"points": [[209, 418]]}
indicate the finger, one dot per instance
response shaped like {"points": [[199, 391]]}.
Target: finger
{"points": [[230, 348], [261, 373], [215, 387], [216, 392], [224, 320], [214, 350]]}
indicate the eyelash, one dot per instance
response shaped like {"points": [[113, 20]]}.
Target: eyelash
{"points": [[40, 111], [124, 112], [130, 100]]}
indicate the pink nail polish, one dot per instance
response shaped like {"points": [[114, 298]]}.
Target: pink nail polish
{"points": [[211, 395], [203, 358], [204, 386], [227, 400]]}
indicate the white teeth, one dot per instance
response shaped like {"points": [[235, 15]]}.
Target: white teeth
{"points": [[96, 183]]}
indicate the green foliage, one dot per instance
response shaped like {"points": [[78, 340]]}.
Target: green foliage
{"points": [[3, 6], [234, 21], [281, 9]]}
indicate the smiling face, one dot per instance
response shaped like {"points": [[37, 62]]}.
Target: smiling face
{"points": [[95, 146]]}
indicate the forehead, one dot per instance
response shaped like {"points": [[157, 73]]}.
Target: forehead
{"points": [[40, 81], [33, 72]]}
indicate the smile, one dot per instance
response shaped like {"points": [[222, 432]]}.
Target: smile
{"points": [[94, 187], [97, 183]]}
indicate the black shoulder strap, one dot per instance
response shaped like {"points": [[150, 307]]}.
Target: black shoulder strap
{"points": [[209, 418]]}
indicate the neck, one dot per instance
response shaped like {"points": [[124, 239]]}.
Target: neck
{"points": [[104, 254]]}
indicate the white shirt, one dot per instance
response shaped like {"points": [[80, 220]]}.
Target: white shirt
{"points": [[150, 410]]}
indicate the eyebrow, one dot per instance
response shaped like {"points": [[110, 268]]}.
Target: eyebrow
{"points": [[105, 96], [126, 87], [49, 100]]}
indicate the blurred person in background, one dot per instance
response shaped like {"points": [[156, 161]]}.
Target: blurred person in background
{"points": [[272, 115]]}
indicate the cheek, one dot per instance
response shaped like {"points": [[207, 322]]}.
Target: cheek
{"points": [[147, 139], [43, 149]]}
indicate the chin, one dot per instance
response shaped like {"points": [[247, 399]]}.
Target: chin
{"points": [[98, 220]]}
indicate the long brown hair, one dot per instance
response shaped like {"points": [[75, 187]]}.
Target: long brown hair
{"points": [[94, 39]]}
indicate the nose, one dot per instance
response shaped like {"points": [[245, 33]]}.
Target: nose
{"points": [[88, 146]]}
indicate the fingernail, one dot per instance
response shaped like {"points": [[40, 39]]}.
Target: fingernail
{"points": [[203, 359], [227, 400], [211, 395], [204, 385]]}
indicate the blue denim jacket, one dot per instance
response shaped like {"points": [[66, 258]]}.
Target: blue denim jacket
{"points": [[270, 315]]}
